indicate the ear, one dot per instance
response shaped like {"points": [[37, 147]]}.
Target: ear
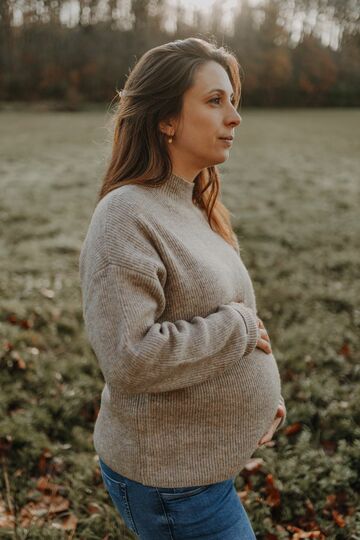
{"points": [[167, 127]]}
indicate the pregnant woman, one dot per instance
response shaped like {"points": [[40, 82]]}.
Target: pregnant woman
{"points": [[191, 385]]}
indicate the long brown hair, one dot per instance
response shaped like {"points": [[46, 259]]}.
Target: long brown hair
{"points": [[152, 93]]}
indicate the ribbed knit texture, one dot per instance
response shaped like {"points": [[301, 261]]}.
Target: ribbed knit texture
{"points": [[170, 312]]}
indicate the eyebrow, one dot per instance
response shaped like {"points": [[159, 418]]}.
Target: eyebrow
{"points": [[219, 90]]}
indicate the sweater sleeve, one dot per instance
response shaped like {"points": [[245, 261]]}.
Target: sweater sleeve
{"points": [[138, 354]]}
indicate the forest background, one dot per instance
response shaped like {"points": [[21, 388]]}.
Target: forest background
{"points": [[292, 52]]}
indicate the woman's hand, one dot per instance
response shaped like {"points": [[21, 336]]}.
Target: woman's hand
{"points": [[266, 439], [264, 344], [264, 341]]}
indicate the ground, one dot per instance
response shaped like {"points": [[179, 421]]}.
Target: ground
{"points": [[292, 186]]}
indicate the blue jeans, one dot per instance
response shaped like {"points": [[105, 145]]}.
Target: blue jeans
{"points": [[211, 512]]}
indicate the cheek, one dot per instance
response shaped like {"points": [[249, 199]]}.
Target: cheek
{"points": [[194, 137], [200, 134], [200, 126], [200, 142]]}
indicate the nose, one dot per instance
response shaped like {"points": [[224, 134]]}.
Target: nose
{"points": [[235, 118]]}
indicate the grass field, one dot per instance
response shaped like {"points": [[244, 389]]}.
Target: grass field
{"points": [[292, 185]]}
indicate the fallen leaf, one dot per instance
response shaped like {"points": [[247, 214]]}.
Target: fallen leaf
{"points": [[33, 512], [43, 484], [58, 504], [45, 455], [293, 428], [345, 350], [70, 522], [274, 498], [299, 533], [329, 446], [94, 508], [26, 323], [20, 363], [12, 318], [338, 518], [7, 519], [309, 506]]}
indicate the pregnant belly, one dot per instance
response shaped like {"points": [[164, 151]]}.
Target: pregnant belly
{"points": [[241, 402], [250, 391]]}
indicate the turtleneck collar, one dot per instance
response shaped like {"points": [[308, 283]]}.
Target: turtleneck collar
{"points": [[177, 188]]}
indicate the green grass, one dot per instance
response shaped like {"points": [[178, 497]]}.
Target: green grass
{"points": [[292, 186]]}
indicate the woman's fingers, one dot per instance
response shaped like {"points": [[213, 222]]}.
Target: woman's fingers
{"points": [[267, 346], [260, 323], [263, 331], [280, 412], [264, 344], [264, 340], [267, 437], [265, 441]]}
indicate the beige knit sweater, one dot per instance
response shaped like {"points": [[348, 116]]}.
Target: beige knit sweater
{"points": [[170, 312]]}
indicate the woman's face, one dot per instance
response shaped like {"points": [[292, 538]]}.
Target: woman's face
{"points": [[208, 114]]}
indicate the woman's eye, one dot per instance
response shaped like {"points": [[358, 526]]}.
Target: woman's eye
{"points": [[218, 98]]}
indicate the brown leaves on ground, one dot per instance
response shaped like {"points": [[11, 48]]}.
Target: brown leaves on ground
{"points": [[336, 505], [13, 319], [335, 508], [299, 533], [345, 350], [46, 506], [293, 428], [7, 518], [273, 493]]}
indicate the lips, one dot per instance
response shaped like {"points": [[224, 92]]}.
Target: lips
{"points": [[227, 140]]}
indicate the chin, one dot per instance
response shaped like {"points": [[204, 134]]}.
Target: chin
{"points": [[222, 158], [216, 161]]}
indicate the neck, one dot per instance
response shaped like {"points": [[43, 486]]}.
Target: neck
{"points": [[187, 175]]}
